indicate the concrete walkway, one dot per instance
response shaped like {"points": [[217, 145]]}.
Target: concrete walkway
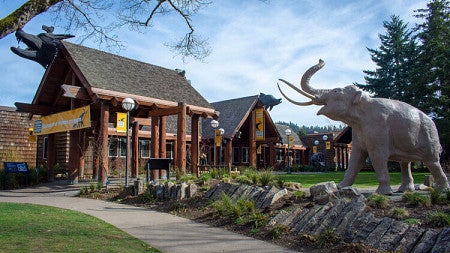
{"points": [[166, 232]]}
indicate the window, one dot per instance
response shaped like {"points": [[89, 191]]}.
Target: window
{"points": [[44, 151], [236, 155], [279, 155], [144, 147], [245, 155], [122, 147], [112, 152]]}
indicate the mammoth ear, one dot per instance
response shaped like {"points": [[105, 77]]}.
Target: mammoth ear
{"points": [[357, 97]]}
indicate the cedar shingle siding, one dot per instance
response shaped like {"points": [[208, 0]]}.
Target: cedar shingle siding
{"points": [[14, 143]]}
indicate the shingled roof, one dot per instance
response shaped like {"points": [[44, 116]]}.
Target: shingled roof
{"points": [[282, 130], [232, 114], [116, 73]]}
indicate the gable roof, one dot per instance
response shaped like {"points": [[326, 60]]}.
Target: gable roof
{"points": [[233, 113], [282, 131], [116, 73]]}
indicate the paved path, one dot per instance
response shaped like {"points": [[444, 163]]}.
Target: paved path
{"points": [[166, 232]]}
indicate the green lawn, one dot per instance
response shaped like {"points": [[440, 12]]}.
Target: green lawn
{"points": [[364, 179], [35, 228]]}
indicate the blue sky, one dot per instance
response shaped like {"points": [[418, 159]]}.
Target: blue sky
{"points": [[253, 44]]}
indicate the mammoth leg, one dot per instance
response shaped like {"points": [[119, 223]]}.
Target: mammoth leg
{"points": [[379, 162], [407, 178], [439, 177], [355, 164]]}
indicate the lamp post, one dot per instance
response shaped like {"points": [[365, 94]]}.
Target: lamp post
{"points": [[288, 133], [222, 131], [325, 138], [214, 125], [128, 105]]}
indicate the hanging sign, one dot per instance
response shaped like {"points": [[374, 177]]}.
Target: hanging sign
{"points": [[314, 149], [328, 145], [291, 141], [259, 122], [31, 136], [259, 150], [121, 126], [64, 121], [218, 138]]}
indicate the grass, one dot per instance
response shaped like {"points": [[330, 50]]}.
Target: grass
{"points": [[35, 228], [364, 179]]}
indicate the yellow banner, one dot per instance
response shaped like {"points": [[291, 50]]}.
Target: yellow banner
{"points": [[314, 149], [218, 138], [64, 121], [328, 145], [291, 141], [259, 121], [259, 150], [121, 126], [31, 136]]}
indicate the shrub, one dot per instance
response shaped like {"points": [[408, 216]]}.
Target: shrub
{"points": [[412, 221], [214, 172], [379, 201], [399, 213], [92, 187], [327, 237], [437, 198], [438, 219], [278, 230], [205, 178], [266, 177], [280, 183], [258, 219], [243, 179], [299, 194], [416, 199]]}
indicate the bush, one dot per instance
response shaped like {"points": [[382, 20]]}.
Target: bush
{"points": [[439, 219], [327, 237], [399, 213], [278, 230], [379, 201], [416, 199], [266, 177], [412, 221], [437, 198]]}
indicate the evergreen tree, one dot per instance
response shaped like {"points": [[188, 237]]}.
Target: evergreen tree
{"points": [[434, 72], [396, 59]]}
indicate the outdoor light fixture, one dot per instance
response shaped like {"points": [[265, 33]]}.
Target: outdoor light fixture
{"points": [[288, 133], [128, 105], [214, 125], [316, 142], [325, 137]]}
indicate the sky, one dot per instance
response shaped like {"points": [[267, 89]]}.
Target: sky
{"points": [[253, 43]]}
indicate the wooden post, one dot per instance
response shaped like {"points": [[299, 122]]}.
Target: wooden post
{"points": [[195, 144], [272, 154], [181, 139], [95, 152], [103, 136], [252, 140], [155, 174], [155, 137], [162, 137], [74, 151], [135, 150], [51, 157], [229, 153], [82, 151]]}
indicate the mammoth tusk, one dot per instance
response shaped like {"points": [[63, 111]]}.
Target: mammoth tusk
{"points": [[304, 83], [294, 102], [298, 90]]}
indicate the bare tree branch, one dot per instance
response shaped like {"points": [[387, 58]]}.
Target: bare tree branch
{"points": [[23, 15]]}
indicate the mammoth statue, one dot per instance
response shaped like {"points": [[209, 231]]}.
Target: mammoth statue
{"points": [[383, 129]]}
